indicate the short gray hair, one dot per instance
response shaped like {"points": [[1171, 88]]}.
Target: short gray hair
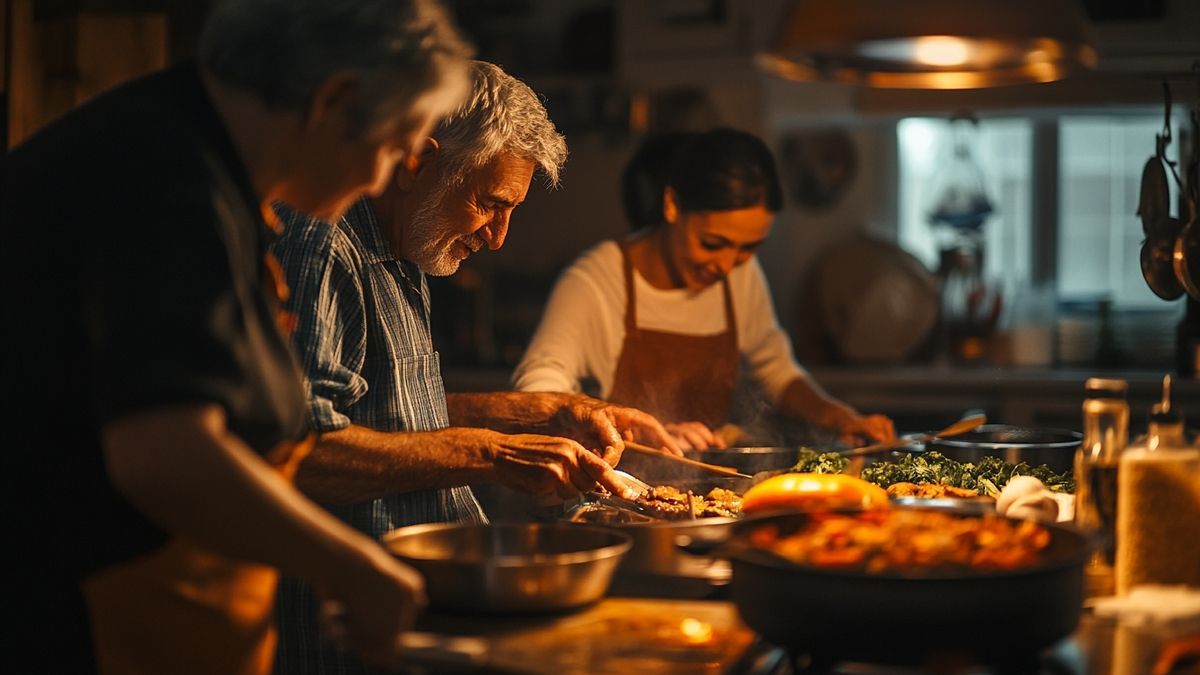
{"points": [[501, 114], [282, 50]]}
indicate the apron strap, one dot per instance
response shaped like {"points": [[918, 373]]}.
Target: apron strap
{"points": [[730, 314], [630, 298]]}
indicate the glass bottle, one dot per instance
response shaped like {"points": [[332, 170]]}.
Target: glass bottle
{"points": [[1158, 504], [1105, 435]]}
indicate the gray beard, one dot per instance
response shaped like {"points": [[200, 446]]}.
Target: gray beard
{"points": [[428, 232]]}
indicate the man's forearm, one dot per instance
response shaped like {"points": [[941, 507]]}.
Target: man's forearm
{"points": [[508, 411], [183, 469], [356, 463]]}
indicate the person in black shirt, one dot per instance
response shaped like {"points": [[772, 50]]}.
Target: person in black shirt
{"points": [[156, 412]]}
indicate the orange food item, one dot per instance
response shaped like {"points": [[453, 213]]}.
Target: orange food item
{"points": [[907, 540], [813, 492]]}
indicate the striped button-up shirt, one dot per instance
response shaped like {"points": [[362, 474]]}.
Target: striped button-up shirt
{"points": [[364, 342]]}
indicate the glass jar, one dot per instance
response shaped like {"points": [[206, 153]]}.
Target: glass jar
{"points": [[1097, 462], [1158, 504]]}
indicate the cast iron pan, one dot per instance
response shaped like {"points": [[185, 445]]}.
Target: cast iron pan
{"points": [[842, 615]]}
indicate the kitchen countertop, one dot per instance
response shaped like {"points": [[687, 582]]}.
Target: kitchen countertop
{"points": [[617, 635], [623, 636]]}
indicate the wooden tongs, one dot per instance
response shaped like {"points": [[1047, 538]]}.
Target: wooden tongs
{"points": [[696, 464]]}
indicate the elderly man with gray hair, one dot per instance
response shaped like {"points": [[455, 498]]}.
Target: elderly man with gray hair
{"points": [[162, 410], [388, 455]]}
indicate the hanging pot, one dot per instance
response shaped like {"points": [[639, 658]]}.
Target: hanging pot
{"points": [[1159, 266], [1155, 197], [1186, 257]]}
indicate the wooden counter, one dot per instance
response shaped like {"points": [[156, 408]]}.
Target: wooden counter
{"points": [[621, 636], [634, 636]]}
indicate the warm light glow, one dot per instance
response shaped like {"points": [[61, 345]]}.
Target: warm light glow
{"points": [[695, 631], [941, 50]]}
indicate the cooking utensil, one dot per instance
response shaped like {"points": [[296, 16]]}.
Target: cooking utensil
{"points": [[655, 556], [649, 451], [627, 506], [1186, 257], [1053, 447], [1154, 199], [748, 460], [510, 568], [992, 616], [962, 426], [1158, 260], [642, 486]]}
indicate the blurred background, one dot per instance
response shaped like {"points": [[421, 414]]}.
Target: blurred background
{"points": [[938, 251]]}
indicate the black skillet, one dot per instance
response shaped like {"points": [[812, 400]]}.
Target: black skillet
{"points": [[855, 616]]}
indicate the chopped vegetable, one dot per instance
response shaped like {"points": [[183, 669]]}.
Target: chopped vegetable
{"points": [[814, 461], [988, 477]]}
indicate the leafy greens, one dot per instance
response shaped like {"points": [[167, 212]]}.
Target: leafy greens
{"points": [[814, 461], [987, 477]]}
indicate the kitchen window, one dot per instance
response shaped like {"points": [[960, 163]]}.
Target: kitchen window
{"points": [[1003, 148], [1100, 159]]}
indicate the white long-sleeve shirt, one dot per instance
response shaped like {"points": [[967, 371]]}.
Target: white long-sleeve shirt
{"points": [[583, 328]]}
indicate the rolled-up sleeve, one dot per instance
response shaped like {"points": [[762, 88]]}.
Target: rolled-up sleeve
{"points": [[327, 299]]}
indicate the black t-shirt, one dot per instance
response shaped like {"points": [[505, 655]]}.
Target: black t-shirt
{"points": [[133, 264]]}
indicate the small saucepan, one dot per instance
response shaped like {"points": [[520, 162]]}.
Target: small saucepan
{"points": [[510, 568], [655, 552], [1053, 447]]}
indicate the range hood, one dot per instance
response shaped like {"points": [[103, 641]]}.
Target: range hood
{"points": [[931, 44]]}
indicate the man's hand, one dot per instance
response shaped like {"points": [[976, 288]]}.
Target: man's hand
{"points": [[373, 605], [589, 420], [695, 436], [543, 465], [859, 429]]}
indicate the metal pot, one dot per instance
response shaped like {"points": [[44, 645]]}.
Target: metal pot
{"points": [[656, 555], [510, 568], [1052, 447], [854, 615], [749, 460]]}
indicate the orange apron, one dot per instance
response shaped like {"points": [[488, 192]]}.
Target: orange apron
{"points": [[182, 609], [676, 377]]}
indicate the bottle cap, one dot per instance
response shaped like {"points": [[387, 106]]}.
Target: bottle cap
{"points": [[1163, 412], [1101, 387]]}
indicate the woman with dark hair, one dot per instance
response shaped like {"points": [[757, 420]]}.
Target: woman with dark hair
{"points": [[662, 320], [645, 175]]}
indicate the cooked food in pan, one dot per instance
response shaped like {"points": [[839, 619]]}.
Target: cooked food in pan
{"points": [[931, 491], [907, 541], [671, 503]]}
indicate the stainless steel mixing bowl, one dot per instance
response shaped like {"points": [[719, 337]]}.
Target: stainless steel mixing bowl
{"points": [[516, 568]]}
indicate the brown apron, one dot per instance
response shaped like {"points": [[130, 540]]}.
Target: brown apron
{"points": [[676, 377], [182, 609]]}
